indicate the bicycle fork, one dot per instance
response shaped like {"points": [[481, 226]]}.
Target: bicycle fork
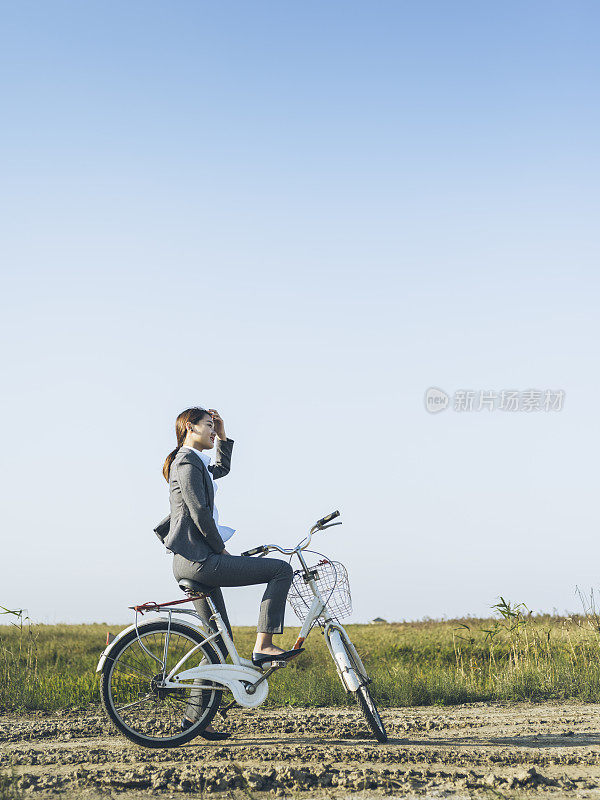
{"points": [[334, 635]]}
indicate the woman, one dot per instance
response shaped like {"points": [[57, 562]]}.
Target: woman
{"points": [[196, 538]]}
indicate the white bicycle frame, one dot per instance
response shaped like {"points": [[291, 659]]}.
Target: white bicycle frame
{"points": [[247, 683], [335, 636]]}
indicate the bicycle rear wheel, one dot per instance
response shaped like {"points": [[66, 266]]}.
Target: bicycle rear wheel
{"points": [[131, 692]]}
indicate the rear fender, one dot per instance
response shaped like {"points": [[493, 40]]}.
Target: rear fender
{"points": [[141, 625]]}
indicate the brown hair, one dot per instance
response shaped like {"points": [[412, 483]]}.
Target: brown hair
{"points": [[192, 415]]}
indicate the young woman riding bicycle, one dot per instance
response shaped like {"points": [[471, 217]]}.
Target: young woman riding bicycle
{"points": [[196, 539]]}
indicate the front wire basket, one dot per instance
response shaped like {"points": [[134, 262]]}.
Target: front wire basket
{"points": [[332, 582]]}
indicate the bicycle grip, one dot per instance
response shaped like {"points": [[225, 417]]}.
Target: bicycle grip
{"points": [[328, 518], [255, 551]]}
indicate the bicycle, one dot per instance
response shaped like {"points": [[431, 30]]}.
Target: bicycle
{"points": [[149, 678]]}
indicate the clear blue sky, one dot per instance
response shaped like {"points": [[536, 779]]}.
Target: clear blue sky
{"points": [[303, 215]]}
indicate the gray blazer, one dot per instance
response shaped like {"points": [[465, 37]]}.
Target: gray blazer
{"points": [[190, 529]]}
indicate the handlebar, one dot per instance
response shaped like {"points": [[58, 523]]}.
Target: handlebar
{"points": [[319, 525], [255, 551], [327, 519]]}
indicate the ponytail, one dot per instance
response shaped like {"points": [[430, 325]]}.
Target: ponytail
{"points": [[167, 465]]}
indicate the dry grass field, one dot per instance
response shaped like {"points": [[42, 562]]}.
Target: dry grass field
{"points": [[513, 656]]}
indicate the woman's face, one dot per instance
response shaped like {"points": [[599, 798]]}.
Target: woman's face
{"points": [[204, 433]]}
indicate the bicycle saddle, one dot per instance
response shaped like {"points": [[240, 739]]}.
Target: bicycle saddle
{"points": [[194, 587]]}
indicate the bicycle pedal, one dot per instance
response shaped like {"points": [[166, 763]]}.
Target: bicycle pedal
{"points": [[271, 666]]}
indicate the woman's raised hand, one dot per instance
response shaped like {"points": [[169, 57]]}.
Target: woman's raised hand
{"points": [[218, 423]]}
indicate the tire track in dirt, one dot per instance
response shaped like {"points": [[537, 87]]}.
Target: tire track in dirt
{"points": [[487, 750]]}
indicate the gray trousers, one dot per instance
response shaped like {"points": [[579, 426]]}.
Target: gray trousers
{"points": [[225, 570]]}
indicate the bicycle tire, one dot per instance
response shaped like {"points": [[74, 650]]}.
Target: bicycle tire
{"points": [[363, 695], [140, 676], [370, 713]]}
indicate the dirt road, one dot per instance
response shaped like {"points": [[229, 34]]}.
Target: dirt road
{"points": [[477, 750]]}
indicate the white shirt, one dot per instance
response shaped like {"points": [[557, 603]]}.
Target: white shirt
{"points": [[226, 533]]}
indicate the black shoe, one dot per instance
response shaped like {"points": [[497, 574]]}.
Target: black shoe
{"points": [[213, 736], [258, 659]]}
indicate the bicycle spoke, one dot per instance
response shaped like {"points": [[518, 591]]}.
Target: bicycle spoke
{"points": [[136, 703], [188, 701], [143, 666], [151, 665], [133, 670]]}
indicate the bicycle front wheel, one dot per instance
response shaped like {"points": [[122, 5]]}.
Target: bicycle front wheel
{"points": [[362, 694], [131, 691], [370, 713]]}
